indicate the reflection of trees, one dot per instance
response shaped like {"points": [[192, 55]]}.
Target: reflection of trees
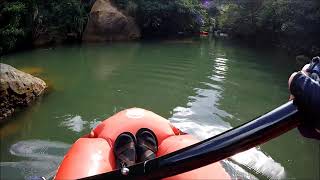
{"points": [[254, 83], [202, 106], [162, 76], [108, 59], [205, 114]]}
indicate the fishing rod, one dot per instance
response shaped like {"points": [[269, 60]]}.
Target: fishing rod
{"points": [[214, 149]]}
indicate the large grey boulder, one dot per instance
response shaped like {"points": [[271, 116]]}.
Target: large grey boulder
{"points": [[107, 23], [17, 89]]}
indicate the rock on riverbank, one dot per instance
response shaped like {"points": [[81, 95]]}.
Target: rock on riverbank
{"points": [[107, 23], [17, 89]]}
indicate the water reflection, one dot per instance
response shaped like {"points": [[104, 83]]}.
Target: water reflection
{"points": [[42, 159], [202, 118]]}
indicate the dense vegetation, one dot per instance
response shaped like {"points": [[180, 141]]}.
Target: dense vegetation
{"points": [[14, 26], [165, 17], [294, 25], [27, 22], [23, 21]]}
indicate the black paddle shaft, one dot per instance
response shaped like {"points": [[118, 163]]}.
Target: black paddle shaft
{"points": [[233, 141]]}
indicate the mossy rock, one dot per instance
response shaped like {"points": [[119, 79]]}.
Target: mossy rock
{"points": [[17, 89]]}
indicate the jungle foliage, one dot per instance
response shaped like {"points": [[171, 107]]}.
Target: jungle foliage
{"points": [[294, 25], [14, 24], [22, 21], [165, 17]]}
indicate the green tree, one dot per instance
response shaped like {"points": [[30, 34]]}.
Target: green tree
{"points": [[165, 17], [60, 18], [240, 17], [14, 27], [293, 25], [22, 21]]}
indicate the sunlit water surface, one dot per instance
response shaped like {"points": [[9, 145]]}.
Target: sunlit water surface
{"points": [[202, 86]]}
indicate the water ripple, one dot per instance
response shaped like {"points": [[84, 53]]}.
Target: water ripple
{"points": [[203, 119], [43, 157], [74, 123]]}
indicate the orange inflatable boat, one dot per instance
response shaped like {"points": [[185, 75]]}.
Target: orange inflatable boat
{"points": [[203, 33], [93, 153]]}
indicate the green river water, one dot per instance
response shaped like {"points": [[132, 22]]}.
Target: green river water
{"points": [[203, 86]]}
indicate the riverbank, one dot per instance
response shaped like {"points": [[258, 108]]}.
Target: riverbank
{"points": [[27, 25], [290, 25], [41, 23]]}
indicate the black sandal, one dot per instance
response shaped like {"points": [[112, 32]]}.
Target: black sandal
{"points": [[124, 150], [147, 145]]}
